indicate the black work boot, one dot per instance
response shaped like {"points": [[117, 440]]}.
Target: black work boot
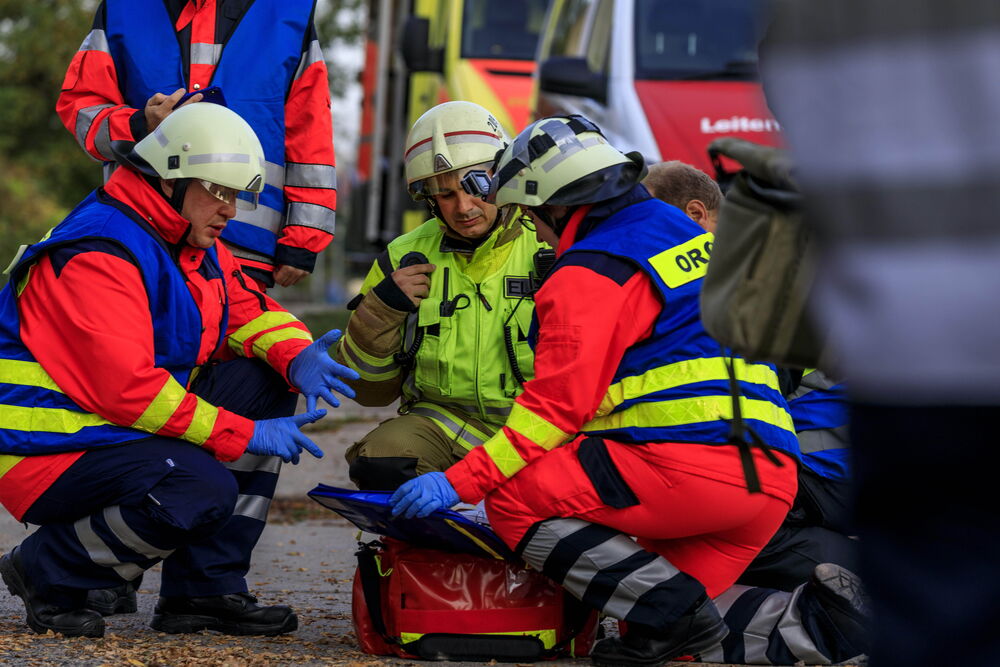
{"points": [[117, 600], [698, 630], [842, 597], [232, 614], [43, 616]]}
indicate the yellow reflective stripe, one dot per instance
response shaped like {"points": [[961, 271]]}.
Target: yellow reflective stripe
{"points": [[263, 322], [202, 424], [684, 263], [52, 420], [8, 461], [547, 637], [29, 373], [504, 456], [162, 408], [369, 367], [268, 340], [683, 411], [682, 373], [536, 429]]}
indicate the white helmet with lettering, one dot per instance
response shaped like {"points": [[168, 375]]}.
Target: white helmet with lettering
{"points": [[451, 137]]}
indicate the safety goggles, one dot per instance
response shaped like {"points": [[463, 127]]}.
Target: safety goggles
{"points": [[239, 198], [449, 181]]}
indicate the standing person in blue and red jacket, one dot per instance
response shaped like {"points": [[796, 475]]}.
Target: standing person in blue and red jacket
{"points": [[623, 432], [142, 383], [142, 55]]}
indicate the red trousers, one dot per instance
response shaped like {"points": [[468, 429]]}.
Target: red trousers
{"points": [[694, 508]]}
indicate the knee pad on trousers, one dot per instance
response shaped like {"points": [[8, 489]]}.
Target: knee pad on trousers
{"points": [[382, 473]]}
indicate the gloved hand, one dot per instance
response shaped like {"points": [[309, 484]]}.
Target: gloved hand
{"points": [[422, 495], [314, 373], [282, 437]]}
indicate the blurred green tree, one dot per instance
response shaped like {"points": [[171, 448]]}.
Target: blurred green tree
{"points": [[43, 172]]}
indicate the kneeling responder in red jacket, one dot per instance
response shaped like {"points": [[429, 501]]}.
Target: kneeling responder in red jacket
{"points": [[145, 392], [628, 428]]}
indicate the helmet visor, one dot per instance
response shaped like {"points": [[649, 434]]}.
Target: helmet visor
{"points": [[446, 182], [241, 199]]}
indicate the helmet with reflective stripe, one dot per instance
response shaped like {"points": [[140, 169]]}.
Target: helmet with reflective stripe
{"points": [[451, 137], [207, 142], [562, 161]]}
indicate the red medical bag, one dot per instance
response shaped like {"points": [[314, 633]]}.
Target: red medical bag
{"points": [[416, 602]]}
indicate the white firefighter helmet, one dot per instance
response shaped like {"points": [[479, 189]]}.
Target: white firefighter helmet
{"points": [[451, 137], [208, 142], [562, 161]]}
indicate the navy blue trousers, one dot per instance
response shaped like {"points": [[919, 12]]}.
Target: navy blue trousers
{"points": [[119, 510]]}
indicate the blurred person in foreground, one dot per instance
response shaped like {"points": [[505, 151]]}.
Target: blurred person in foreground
{"points": [[443, 318], [141, 391], [890, 109]]}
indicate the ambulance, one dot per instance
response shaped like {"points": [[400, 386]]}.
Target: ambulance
{"points": [[662, 77]]}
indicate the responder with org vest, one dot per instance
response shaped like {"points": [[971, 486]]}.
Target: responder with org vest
{"points": [[444, 316], [140, 374], [623, 432], [141, 56]]}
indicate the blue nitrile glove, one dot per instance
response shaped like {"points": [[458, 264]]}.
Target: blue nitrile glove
{"points": [[282, 437], [422, 495], [314, 373]]}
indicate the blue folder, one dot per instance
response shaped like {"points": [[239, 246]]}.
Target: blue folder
{"points": [[446, 530]]}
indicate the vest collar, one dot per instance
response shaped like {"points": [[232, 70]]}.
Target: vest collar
{"points": [[130, 188]]}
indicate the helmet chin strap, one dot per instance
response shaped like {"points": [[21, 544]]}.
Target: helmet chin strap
{"points": [[176, 198]]}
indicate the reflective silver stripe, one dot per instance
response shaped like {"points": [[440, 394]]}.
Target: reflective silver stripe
{"points": [[264, 217], [597, 558], [791, 630], [636, 583], [255, 463], [545, 539], [205, 54], [160, 137], [102, 140], [211, 158], [100, 553], [84, 119], [253, 507], [128, 537], [96, 40], [461, 433], [757, 633], [723, 603], [313, 54], [311, 215], [811, 382], [274, 175], [568, 149], [463, 138], [303, 175], [241, 253], [823, 439], [474, 409], [357, 362]]}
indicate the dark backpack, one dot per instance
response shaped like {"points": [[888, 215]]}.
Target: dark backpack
{"points": [[754, 296]]}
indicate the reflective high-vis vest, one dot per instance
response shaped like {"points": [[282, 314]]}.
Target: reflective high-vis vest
{"points": [[462, 368], [255, 78], [36, 417], [819, 409], [674, 385]]}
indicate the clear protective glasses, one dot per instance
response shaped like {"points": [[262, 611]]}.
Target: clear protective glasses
{"points": [[239, 198]]}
